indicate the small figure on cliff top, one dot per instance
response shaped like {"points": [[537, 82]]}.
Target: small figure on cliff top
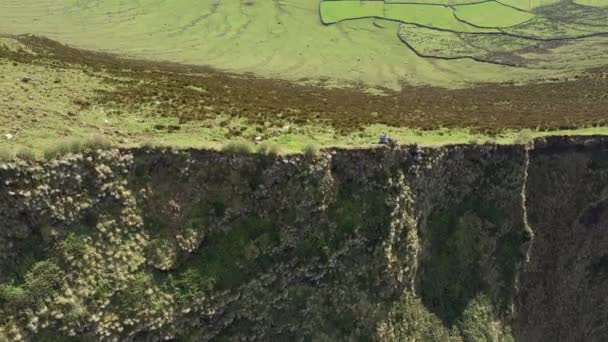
{"points": [[384, 139], [388, 141]]}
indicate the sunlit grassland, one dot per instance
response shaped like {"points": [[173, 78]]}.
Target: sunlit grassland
{"points": [[528, 5], [283, 39], [491, 14], [593, 3], [42, 114]]}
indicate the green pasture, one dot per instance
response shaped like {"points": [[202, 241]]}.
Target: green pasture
{"points": [[593, 3], [439, 17], [427, 2], [336, 11], [491, 14], [528, 5], [286, 38], [505, 49], [460, 17], [532, 35]]}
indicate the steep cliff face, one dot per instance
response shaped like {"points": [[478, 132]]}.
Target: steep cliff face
{"points": [[455, 243], [564, 286]]}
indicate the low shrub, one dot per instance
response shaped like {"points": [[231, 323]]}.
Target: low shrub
{"points": [[26, 154], [410, 320], [480, 323], [189, 285], [161, 254], [6, 154], [43, 279], [311, 151], [474, 141], [238, 147], [524, 137], [269, 149], [12, 295], [96, 142], [73, 247], [77, 145], [60, 149], [150, 145], [132, 298]]}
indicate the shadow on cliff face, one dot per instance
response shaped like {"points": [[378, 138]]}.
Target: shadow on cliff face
{"points": [[464, 250], [315, 247], [474, 238], [339, 244], [564, 288]]}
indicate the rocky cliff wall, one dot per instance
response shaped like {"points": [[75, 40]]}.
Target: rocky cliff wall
{"points": [[564, 286], [462, 243]]}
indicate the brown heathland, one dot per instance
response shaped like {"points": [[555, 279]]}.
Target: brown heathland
{"points": [[197, 93]]}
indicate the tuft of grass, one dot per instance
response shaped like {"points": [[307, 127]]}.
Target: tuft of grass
{"points": [[57, 150], [524, 137], [62, 148], [74, 145], [26, 154], [474, 141], [6, 154], [96, 142], [238, 147], [150, 145], [311, 151], [269, 149]]}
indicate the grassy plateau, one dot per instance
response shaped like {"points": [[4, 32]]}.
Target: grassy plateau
{"points": [[296, 73]]}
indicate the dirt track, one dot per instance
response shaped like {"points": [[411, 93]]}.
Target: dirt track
{"points": [[196, 93]]}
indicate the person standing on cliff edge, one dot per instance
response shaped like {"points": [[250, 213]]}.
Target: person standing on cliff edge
{"points": [[384, 139]]}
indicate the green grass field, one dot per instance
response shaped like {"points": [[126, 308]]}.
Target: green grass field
{"points": [[438, 17], [491, 14], [473, 17], [593, 3], [455, 44], [280, 38], [529, 5], [46, 113], [534, 35]]}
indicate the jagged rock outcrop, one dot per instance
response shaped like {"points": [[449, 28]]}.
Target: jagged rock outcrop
{"points": [[465, 242]]}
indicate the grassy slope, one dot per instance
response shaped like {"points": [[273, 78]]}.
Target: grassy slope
{"points": [[335, 11], [42, 113], [491, 14], [432, 16], [271, 38], [284, 39], [46, 111], [440, 17], [528, 5], [594, 3]]}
